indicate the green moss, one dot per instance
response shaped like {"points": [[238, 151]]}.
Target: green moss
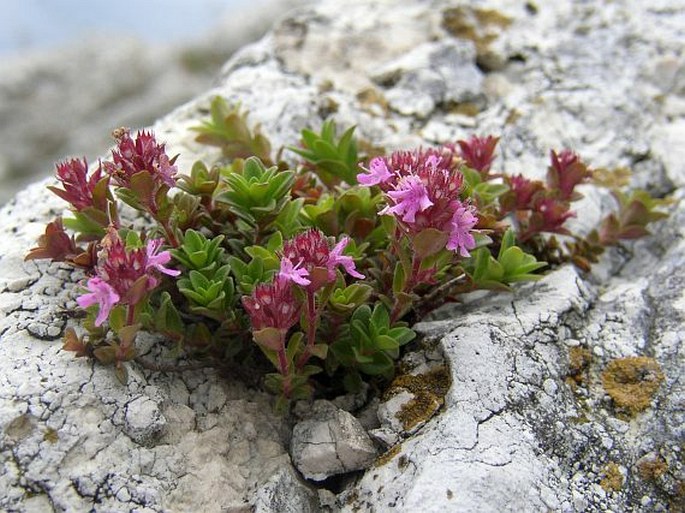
{"points": [[652, 469], [51, 436]]}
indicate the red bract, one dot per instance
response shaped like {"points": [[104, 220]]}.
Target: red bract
{"points": [[565, 172], [142, 154], [55, 244], [478, 152], [78, 188], [273, 305], [549, 215], [523, 190]]}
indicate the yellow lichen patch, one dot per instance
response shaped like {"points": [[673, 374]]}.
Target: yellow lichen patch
{"points": [[652, 469], [613, 478], [371, 98], [388, 455], [51, 436], [429, 391], [20, 427], [632, 382], [465, 109], [611, 178], [482, 26]]}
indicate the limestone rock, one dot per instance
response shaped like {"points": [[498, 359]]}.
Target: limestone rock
{"points": [[330, 442], [284, 492]]}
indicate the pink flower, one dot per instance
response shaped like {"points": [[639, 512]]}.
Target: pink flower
{"points": [[463, 220], [78, 188], [337, 258], [143, 154], [479, 152], [101, 293], [272, 305], [121, 268], [315, 260], [377, 173], [409, 197], [158, 260], [295, 274]]}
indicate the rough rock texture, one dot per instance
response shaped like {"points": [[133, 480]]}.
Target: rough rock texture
{"points": [[330, 441], [526, 423]]}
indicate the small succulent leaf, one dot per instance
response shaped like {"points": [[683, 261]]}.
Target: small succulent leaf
{"points": [[429, 241], [268, 338], [105, 354], [386, 343], [117, 318], [320, 351]]}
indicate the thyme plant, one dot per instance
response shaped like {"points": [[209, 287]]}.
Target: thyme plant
{"points": [[306, 272]]}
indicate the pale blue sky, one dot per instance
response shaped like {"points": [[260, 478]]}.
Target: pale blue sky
{"points": [[42, 23]]}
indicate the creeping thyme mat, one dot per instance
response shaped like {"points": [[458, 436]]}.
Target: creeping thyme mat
{"points": [[306, 266]]}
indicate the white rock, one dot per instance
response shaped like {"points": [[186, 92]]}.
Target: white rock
{"points": [[330, 442]]}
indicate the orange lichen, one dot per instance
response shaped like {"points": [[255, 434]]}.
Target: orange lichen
{"points": [[613, 478], [632, 382], [579, 358], [388, 455], [482, 26], [652, 469], [429, 391]]}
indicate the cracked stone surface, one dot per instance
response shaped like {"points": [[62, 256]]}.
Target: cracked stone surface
{"points": [[330, 441], [526, 424]]}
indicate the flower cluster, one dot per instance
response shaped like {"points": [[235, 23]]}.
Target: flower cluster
{"points": [[124, 276], [308, 261], [273, 305], [142, 154], [422, 188], [78, 187], [478, 152], [545, 207]]}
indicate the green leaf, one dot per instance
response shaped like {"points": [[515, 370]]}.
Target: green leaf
{"points": [[295, 345]]}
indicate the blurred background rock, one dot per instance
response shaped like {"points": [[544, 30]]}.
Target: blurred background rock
{"points": [[73, 70]]}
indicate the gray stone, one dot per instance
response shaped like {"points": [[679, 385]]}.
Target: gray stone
{"points": [[144, 421], [330, 442], [431, 74], [284, 492]]}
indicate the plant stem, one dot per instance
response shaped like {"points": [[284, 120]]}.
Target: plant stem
{"points": [[131, 315], [284, 367], [399, 305], [171, 237], [312, 319]]}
